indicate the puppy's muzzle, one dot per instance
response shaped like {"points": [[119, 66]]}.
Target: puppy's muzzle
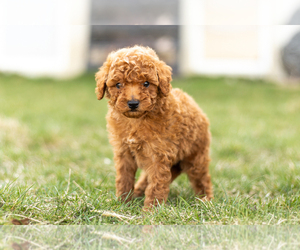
{"points": [[133, 104]]}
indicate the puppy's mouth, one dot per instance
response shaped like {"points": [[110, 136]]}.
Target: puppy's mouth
{"points": [[134, 113]]}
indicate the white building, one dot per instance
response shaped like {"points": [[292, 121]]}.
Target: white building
{"points": [[235, 37], [44, 37], [217, 37]]}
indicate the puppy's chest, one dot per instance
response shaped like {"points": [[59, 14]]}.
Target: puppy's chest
{"points": [[139, 139], [136, 141]]}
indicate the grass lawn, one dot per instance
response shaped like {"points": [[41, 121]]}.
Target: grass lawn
{"points": [[56, 163]]}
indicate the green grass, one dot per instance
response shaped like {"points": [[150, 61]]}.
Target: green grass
{"points": [[150, 237], [56, 163]]}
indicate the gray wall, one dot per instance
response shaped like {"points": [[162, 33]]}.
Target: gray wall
{"points": [[113, 27]]}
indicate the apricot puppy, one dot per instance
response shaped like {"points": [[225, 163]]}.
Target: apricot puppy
{"points": [[152, 126]]}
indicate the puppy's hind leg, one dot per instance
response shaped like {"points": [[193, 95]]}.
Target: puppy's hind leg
{"points": [[141, 185], [197, 169]]}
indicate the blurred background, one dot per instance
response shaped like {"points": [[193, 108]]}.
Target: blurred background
{"points": [[252, 38], [56, 163]]}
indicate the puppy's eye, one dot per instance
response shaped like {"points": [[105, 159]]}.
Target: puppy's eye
{"points": [[146, 84], [118, 85]]}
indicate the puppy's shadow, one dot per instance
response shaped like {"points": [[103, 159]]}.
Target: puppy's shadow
{"points": [[181, 188]]}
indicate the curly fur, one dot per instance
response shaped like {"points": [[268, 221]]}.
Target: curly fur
{"points": [[166, 135]]}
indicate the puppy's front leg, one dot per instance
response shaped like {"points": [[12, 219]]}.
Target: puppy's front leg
{"points": [[159, 178], [126, 169]]}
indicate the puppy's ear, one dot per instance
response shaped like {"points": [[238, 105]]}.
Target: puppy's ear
{"points": [[101, 77], [164, 73]]}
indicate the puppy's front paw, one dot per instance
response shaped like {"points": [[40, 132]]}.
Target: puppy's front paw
{"points": [[148, 209]]}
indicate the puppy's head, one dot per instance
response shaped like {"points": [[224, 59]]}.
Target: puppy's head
{"points": [[133, 80]]}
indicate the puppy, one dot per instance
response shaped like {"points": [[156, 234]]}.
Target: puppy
{"points": [[152, 126]]}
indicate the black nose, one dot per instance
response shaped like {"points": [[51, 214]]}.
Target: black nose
{"points": [[133, 104]]}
